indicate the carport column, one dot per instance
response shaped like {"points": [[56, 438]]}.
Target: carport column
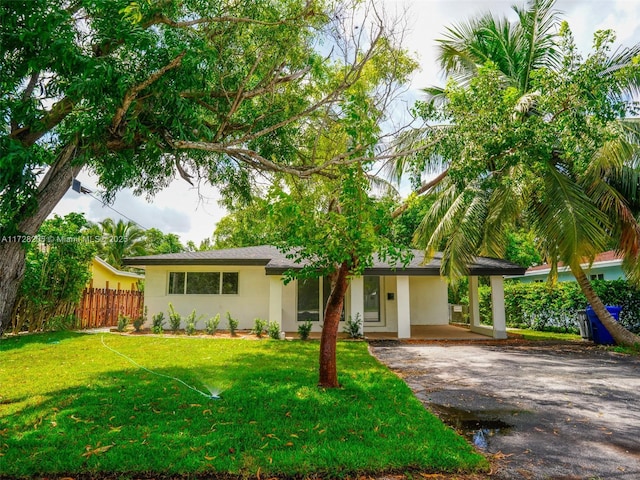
{"points": [[474, 305], [497, 307], [357, 301], [404, 307], [275, 299]]}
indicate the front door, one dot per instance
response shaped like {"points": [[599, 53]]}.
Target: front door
{"points": [[372, 298]]}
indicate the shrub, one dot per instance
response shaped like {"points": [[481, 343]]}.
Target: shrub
{"points": [[304, 329], [63, 322], [174, 319], [157, 323], [123, 321], [211, 325], [541, 306], [191, 323], [258, 327], [233, 324], [138, 322], [352, 327], [273, 330]]}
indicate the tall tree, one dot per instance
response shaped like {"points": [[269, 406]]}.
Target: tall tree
{"points": [[550, 143], [121, 239], [157, 242], [141, 92]]}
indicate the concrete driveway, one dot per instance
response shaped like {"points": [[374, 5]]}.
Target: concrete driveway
{"points": [[553, 411]]}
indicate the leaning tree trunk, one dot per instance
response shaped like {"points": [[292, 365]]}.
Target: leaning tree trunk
{"points": [[52, 188], [329, 339], [621, 335]]}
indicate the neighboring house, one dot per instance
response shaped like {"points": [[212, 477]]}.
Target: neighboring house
{"points": [[104, 275], [606, 266], [247, 282]]}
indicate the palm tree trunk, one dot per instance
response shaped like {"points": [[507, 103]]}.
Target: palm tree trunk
{"points": [[328, 341], [12, 254], [621, 335]]}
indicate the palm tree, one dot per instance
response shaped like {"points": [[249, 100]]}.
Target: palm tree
{"points": [[536, 135], [121, 239]]}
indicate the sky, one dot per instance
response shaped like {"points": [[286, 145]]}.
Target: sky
{"points": [[192, 212]]}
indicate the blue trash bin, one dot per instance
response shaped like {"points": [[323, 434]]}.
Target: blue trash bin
{"points": [[601, 335]]}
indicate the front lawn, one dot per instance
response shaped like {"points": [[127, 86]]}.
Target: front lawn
{"points": [[68, 405], [528, 334]]}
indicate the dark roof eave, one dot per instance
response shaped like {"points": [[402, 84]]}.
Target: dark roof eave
{"points": [[414, 272], [140, 262]]}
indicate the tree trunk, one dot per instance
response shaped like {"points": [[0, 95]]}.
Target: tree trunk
{"points": [[52, 188], [333, 311], [621, 335]]}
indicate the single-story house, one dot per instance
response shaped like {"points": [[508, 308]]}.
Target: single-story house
{"points": [[104, 275], [605, 266], [248, 283]]}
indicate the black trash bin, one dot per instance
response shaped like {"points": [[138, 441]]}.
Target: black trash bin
{"points": [[584, 325], [601, 335]]}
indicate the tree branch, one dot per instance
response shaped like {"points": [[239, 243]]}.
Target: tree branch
{"points": [[133, 92], [424, 188]]}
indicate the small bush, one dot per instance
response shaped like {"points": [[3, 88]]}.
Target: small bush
{"points": [[259, 326], [304, 329], [63, 322], [123, 321], [352, 327], [191, 323], [211, 325], [157, 323], [273, 330], [138, 322], [233, 324], [174, 319]]}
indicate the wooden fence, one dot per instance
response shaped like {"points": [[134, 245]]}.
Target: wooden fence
{"points": [[100, 307]]}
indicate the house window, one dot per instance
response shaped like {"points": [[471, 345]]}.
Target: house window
{"points": [[597, 276], [203, 283], [313, 295]]}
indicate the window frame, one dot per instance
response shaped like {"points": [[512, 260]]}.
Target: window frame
{"points": [[185, 282]]}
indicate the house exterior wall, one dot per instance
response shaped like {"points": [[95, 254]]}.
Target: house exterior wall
{"points": [[427, 296], [251, 301], [101, 275], [610, 272], [428, 300]]}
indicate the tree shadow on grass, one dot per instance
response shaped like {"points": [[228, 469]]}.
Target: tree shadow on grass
{"points": [[14, 342]]}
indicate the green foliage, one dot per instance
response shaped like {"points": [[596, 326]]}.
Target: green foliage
{"points": [[232, 323], [174, 319], [245, 227], [211, 325], [123, 322], [56, 271], [191, 323], [63, 323], [157, 325], [119, 240], [521, 249], [157, 242], [138, 322], [352, 327], [259, 326], [269, 398], [304, 329], [273, 330], [541, 306]]}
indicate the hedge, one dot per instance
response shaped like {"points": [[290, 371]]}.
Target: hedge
{"points": [[540, 306]]}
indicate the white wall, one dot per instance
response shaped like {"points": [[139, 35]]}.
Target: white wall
{"points": [[428, 297], [252, 300]]}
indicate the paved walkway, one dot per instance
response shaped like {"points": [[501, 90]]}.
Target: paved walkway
{"points": [[562, 411]]}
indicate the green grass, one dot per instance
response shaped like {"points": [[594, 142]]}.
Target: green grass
{"points": [[538, 335], [70, 406]]}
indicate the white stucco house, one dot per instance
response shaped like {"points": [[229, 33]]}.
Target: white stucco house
{"points": [[248, 283]]}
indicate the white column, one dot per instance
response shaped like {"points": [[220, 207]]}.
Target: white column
{"points": [[275, 299], [357, 301], [474, 305], [404, 307], [497, 307]]}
